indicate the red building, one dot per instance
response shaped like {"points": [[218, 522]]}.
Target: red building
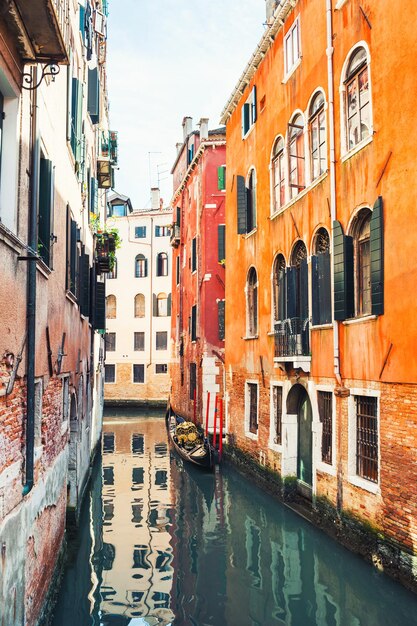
{"points": [[197, 237]]}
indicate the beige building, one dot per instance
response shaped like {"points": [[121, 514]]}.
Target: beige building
{"points": [[138, 304]]}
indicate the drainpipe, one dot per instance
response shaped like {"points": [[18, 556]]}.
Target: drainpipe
{"points": [[31, 296], [330, 87]]}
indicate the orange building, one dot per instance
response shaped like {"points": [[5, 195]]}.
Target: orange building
{"points": [[320, 327]]}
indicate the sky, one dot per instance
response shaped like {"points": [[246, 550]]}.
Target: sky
{"points": [[168, 59]]}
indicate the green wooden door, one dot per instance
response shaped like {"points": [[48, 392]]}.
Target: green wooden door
{"points": [[305, 441]]}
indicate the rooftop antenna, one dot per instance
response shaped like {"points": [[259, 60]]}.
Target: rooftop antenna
{"points": [[149, 166]]}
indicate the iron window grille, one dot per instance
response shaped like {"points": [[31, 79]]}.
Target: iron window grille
{"points": [[253, 407], [367, 437], [277, 403], [325, 411]]}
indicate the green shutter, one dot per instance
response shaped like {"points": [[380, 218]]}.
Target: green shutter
{"points": [[79, 121], [85, 285], [73, 256], [74, 108], [254, 105], [325, 303], [303, 287], [377, 258], [245, 118], [169, 305], [241, 204], [82, 21], [221, 318], [221, 178], [155, 305], [100, 307], [69, 103], [315, 290], [93, 101], [221, 243], [45, 209], [343, 273]]}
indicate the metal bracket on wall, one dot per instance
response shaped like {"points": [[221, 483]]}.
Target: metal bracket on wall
{"points": [[49, 69]]}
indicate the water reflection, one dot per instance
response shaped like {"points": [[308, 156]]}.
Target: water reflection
{"points": [[163, 543]]}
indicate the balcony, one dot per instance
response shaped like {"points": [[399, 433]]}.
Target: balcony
{"points": [[292, 342], [175, 236], [105, 252], [40, 29]]}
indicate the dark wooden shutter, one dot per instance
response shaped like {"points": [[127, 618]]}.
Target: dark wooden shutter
{"points": [[45, 209], [100, 307], [85, 285], [325, 302], [194, 255], [155, 305], [245, 118], [291, 285], [146, 268], [282, 295], [169, 304], [73, 257], [377, 258], [221, 320], [221, 178], [74, 103], [303, 290], [315, 290], [93, 99], [343, 273], [178, 222], [241, 204], [254, 105], [221, 247]]}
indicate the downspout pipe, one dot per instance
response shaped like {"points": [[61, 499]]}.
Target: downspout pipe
{"points": [[333, 213], [31, 297]]}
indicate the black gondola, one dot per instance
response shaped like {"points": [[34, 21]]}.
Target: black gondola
{"points": [[189, 441]]}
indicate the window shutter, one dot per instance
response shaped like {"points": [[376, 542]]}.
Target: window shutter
{"points": [[45, 209], [178, 222], [155, 305], [303, 295], [245, 118], [79, 121], [169, 305], [291, 285], [377, 258], [93, 100], [221, 318], [194, 255], [85, 285], [315, 290], [221, 231], [343, 273], [74, 102], [82, 21], [69, 103], [146, 268], [241, 204], [100, 307], [325, 304], [282, 295], [254, 105], [178, 270], [73, 256], [221, 178], [157, 231]]}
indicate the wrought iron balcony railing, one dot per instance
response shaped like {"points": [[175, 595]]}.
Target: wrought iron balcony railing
{"points": [[292, 337]]}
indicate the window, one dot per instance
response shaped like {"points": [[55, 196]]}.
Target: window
{"points": [[119, 210], [139, 341], [162, 231], [278, 174], [138, 373], [161, 368], [194, 255], [324, 399], [109, 373], [9, 147], [93, 95], [320, 279], [71, 282], [141, 266], [292, 47], [249, 112], [177, 273], [138, 475], [111, 307], [367, 437], [317, 127], [110, 342], [65, 398], [161, 340], [361, 232], [75, 131], [108, 443], [277, 414], [161, 305], [108, 475], [113, 273], [251, 202], [138, 444], [193, 324], [140, 232], [279, 289], [221, 243], [251, 409], [162, 264], [221, 318], [252, 303], [296, 155], [193, 380], [357, 99], [46, 210], [139, 305]]}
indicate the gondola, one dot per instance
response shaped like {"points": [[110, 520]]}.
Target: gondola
{"points": [[189, 441]]}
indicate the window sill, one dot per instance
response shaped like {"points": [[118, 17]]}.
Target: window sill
{"points": [[250, 338], [358, 147], [64, 427], [250, 233], [365, 484], [249, 132], [322, 326], [360, 320], [304, 192], [276, 447], [71, 297], [325, 468], [340, 4], [250, 435], [291, 72], [43, 268], [11, 240]]}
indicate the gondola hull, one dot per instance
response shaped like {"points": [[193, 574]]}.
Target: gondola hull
{"points": [[201, 455]]}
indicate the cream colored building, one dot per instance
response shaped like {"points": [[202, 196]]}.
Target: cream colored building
{"points": [[138, 305]]}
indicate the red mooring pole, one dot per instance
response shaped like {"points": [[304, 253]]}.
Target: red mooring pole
{"points": [[207, 412], [215, 423], [195, 408], [221, 429]]}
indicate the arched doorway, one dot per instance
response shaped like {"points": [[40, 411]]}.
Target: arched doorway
{"points": [[298, 403]]}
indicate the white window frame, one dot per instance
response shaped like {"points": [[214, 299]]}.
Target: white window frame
{"points": [[277, 447], [273, 209], [291, 64], [115, 374], [326, 468], [133, 374], [353, 478], [251, 101], [248, 433], [255, 335], [9, 155]]}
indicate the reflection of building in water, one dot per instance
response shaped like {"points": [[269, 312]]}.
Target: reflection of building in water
{"points": [[137, 572]]}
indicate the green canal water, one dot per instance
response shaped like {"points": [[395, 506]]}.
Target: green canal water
{"points": [[162, 543]]}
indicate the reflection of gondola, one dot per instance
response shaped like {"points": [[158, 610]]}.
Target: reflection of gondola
{"points": [[202, 482], [189, 441]]}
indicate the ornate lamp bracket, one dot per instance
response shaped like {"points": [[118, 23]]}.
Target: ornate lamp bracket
{"points": [[49, 69]]}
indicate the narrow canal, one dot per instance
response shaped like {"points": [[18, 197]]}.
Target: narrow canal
{"points": [[161, 543]]}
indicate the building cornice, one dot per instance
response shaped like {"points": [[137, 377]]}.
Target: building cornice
{"points": [[281, 13]]}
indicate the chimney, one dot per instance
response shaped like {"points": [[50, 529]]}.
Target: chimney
{"points": [[187, 127], [155, 198], [203, 128], [178, 147], [161, 203], [270, 8]]}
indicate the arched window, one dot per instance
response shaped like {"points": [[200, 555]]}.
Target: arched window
{"points": [[113, 273], [296, 164], [320, 278], [278, 176], [141, 266], [252, 303], [317, 124], [361, 233], [111, 307], [139, 305], [161, 305], [357, 99], [251, 202], [278, 288], [297, 288], [162, 264]]}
